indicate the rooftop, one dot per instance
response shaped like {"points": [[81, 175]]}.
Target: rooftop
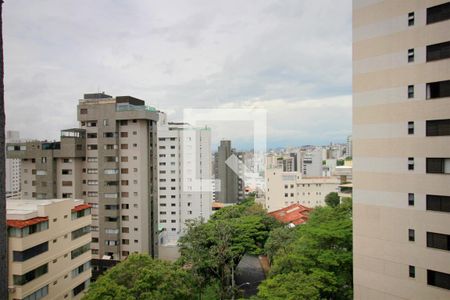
{"points": [[294, 214]]}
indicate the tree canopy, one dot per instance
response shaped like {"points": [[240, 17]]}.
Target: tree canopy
{"points": [[214, 249], [332, 199], [141, 277], [316, 263]]}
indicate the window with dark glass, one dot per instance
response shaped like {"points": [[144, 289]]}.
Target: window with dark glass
{"points": [[438, 279], [412, 271], [438, 13], [439, 89], [410, 199], [411, 235], [30, 252], [410, 55], [81, 231], [438, 127], [410, 127], [410, 163], [411, 19], [438, 51], [438, 241], [31, 275], [438, 203], [438, 165], [410, 91]]}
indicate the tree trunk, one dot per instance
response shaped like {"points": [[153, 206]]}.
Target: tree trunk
{"points": [[3, 226]]}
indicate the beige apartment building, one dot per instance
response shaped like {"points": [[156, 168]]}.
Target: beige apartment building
{"points": [[48, 248], [110, 162], [401, 149], [286, 188]]}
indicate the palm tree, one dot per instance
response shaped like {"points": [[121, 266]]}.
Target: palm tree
{"points": [[3, 228]]}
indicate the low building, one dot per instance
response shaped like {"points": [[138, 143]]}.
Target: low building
{"points": [[292, 215], [286, 188], [49, 248]]}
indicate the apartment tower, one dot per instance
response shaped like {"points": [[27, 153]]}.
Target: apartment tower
{"points": [[231, 187], [110, 162], [401, 149], [184, 170]]}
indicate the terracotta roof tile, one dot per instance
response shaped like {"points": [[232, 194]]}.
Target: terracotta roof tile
{"points": [[81, 207], [25, 223], [294, 213]]}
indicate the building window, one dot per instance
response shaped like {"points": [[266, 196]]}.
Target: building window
{"points": [[438, 127], [411, 19], [438, 13], [439, 89], [410, 55], [81, 231], [438, 165], [412, 271], [30, 252], [438, 241], [438, 203], [438, 279], [411, 235], [124, 134], [39, 294], [81, 287], [410, 127], [410, 163], [438, 51], [30, 276], [123, 146], [410, 91], [410, 199]]}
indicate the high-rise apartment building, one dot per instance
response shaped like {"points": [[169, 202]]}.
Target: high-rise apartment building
{"points": [[401, 149], [231, 188], [12, 169], [110, 161], [49, 248], [184, 170]]}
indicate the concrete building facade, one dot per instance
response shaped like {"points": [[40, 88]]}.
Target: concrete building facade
{"points": [[401, 149], [286, 188], [110, 161], [231, 188], [49, 248], [184, 159], [12, 169]]}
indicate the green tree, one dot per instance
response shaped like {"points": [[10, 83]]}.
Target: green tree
{"points": [[141, 277], [214, 249], [322, 252], [279, 240], [332, 199]]}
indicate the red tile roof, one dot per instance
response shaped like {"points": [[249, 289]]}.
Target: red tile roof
{"points": [[81, 207], [294, 213], [25, 223]]}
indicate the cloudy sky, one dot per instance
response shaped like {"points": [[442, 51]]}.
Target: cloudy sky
{"points": [[291, 57]]}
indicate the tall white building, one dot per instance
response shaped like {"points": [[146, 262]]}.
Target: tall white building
{"points": [[12, 168], [184, 167]]}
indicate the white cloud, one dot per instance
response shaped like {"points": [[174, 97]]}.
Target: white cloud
{"points": [[178, 54]]}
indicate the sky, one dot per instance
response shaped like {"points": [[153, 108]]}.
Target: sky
{"points": [[289, 57]]}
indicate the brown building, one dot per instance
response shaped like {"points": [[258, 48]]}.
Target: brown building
{"points": [[110, 161], [401, 149]]}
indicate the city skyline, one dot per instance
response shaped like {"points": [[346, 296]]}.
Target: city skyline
{"points": [[204, 56]]}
